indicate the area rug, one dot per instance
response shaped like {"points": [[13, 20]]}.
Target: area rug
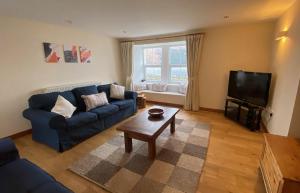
{"points": [[176, 168]]}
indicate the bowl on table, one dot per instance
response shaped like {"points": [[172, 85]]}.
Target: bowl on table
{"points": [[156, 112]]}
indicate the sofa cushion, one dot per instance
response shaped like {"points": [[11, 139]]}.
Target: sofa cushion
{"points": [[47, 101], [86, 90], [105, 110], [123, 104], [81, 118], [22, 176]]}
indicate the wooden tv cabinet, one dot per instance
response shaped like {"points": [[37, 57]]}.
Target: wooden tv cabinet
{"points": [[280, 164]]}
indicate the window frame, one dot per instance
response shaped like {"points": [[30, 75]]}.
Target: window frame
{"points": [[165, 62], [170, 66], [145, 66]]}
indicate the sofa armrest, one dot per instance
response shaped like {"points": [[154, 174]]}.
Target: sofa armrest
{"points": [[130, 95], [8, 151], [48, 119]]}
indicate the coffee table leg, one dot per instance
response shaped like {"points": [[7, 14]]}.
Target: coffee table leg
{"points": [[151, 149], [173, 125], [128, 143]]}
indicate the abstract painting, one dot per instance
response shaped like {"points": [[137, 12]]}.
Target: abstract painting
{"points": [[70, 53], [85, 54], [52, 52]]}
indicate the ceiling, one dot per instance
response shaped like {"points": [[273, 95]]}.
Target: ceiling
{"points": [[137, 18]]}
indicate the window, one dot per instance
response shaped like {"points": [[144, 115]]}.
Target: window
{"points": [[177, 63], [162, 62], [152, 63]]}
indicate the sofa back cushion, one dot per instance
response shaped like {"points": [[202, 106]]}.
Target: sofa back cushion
{"points": [[86, 90], [105, 88], [47, 101]]}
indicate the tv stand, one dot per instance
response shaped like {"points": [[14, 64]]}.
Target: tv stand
{"points": [[244, 113]]}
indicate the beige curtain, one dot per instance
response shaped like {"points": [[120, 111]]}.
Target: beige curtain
{"points": [[126, 58], [194, 48]]}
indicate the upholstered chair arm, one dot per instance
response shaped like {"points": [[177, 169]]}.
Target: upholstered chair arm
{"points": [[130, 95], [8, 151], [45, 118]]}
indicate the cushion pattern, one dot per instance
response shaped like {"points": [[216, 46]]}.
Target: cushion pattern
{"points": [[80, 119], [105, 110], [86, 90], [94, 100]]}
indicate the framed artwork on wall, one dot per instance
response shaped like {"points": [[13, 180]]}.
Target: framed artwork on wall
{"points": [[70, 54], [85, 54], [53, 52]]}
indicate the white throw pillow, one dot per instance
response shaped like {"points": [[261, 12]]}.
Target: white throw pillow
{"points": [[140, 86], [63, 107], [159, 87], [183, 88], [94, 100], [117, 91]]}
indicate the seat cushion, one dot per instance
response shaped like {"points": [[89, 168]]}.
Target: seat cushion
{"points": [[123, 104], [105, 110], [81, 118], [86, 90], [22, 176]]}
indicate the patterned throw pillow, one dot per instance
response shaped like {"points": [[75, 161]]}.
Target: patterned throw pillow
{"points": [[63, 107], [117, 91], [94, 100]]}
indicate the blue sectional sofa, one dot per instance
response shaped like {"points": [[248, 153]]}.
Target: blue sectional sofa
{"points": [[21, 176], [61, 133]]}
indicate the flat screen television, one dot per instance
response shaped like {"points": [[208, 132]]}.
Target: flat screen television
{"points": [[251, 87]]}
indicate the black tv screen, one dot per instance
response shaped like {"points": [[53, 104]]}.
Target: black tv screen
{"points": [[252, 87]]}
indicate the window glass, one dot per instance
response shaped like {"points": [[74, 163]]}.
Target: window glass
{"points": [[178, 74], [153, 73], [177, 55], [152, 56]]}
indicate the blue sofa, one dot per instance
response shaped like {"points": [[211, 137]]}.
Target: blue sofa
{"points": [[21, 176], [61, 133]]}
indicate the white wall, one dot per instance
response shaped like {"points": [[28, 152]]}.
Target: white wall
{"points": [[235, 47], [23, 70], [286, 72]]}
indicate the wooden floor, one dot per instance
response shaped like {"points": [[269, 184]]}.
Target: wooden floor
{"points": [[232, 164]]}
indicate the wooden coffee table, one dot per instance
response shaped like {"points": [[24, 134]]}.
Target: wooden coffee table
{"points": [[147, 129]]}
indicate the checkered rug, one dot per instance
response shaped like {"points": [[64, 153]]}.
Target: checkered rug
{"points": [[177, 167]]}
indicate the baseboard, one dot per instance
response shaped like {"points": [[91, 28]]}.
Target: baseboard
{"points": [[21, 134], [211, 110]]}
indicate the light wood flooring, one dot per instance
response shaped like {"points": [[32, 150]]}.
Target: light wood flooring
{"points": [[232, 164]]}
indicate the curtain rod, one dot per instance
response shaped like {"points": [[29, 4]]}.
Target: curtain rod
{"points": [[160, 38]]}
